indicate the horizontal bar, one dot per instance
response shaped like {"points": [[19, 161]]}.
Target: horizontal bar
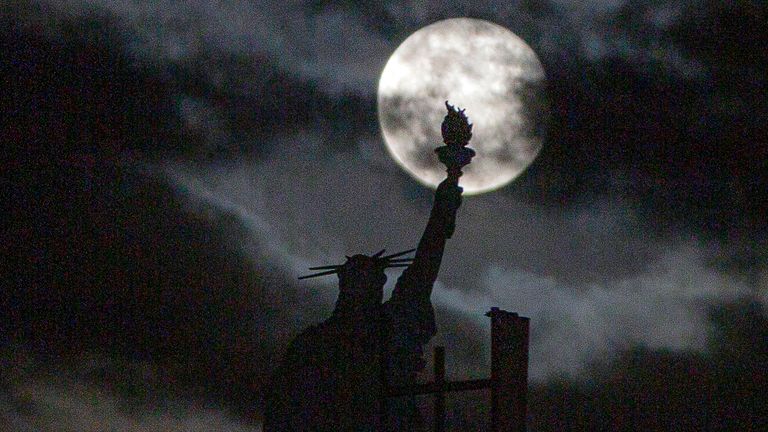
{"points": [[432, 387]]}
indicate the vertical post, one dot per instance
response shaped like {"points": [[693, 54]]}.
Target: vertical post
{"points": [[439, 370], [509, 370], [382, 422]]}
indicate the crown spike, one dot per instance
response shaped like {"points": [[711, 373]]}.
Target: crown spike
{"points": [[318, 274]]}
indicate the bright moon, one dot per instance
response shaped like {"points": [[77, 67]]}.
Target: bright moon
{"points": [[472, 64]]}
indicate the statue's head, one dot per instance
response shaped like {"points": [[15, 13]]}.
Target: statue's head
{"points": [[362, 279], [361, 282]]}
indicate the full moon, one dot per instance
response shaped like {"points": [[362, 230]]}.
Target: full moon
{"points": [[475, 65]]}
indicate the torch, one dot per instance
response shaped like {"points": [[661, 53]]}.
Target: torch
{"points": [[457, 131]]}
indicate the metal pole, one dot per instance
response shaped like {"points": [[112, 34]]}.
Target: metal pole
{"points": [[439, 398]]}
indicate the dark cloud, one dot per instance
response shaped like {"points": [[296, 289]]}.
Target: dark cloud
{"points": [[661, 390], [99, 255], [236, 105], [678, 146], [70, 396], [75, 98], [118, 269]]}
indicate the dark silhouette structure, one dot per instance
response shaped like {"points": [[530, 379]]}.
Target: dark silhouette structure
{"points": [[508, 383], [335, 374]]}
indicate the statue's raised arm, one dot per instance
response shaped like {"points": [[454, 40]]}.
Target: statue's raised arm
{"points": [[418, 279], [409, 312]]}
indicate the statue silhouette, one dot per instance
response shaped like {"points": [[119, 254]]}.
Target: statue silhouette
{"points": [[333, 374]]}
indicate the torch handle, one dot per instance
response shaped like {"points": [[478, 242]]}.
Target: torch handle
{"points": [[453, 179], [453, 175]]}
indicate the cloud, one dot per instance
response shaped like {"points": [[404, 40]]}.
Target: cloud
{"points": [[33, 400], [637, 30], [331, 46], [665, 307], [594, 282], [338, 45]]}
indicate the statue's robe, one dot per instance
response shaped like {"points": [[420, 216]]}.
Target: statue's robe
{"points": [[331, 378]]}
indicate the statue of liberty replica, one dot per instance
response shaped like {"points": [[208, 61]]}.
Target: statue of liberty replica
{"points": [[334, 375]]}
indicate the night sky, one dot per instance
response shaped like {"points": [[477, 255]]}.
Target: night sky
{"points": [[170, 168]]}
